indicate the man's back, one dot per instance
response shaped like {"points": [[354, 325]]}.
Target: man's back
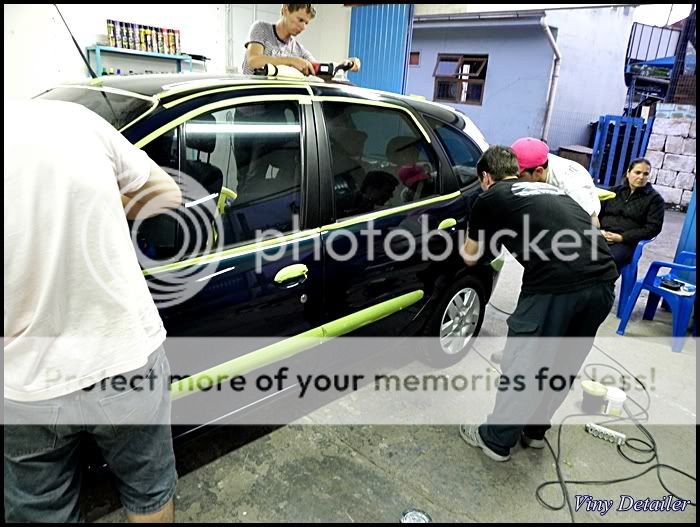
{"points": [[575, 180], [77, 308], [547, 232]]}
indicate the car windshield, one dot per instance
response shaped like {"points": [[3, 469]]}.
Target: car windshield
{"points": [[117, 109]]}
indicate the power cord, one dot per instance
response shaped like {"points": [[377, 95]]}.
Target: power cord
{"points": [[648, 447], [645, 447]]}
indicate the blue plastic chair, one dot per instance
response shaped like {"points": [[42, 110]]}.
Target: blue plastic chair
{"points": [[681, 303], [629, 276]]}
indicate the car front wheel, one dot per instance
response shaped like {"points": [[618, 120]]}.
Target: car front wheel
{"points": [[455, 322]]}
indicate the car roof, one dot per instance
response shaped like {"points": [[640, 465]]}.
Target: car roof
{"points": [[175, 84], [172, 85]]}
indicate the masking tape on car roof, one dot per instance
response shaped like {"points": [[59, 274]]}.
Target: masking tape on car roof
{"points": [[229, 253], [144, 114], [388, 212], [301, 99], [108, 89], [380, 104], [186, 86], [232, 88], [291, 346]]}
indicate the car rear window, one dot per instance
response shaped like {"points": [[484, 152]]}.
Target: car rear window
{"points": [[117, 109]]}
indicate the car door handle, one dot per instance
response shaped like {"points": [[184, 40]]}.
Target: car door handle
{"points": [[447, 223], [292, 275]]}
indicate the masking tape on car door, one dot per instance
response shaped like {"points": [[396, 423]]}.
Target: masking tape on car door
{"points": [[380, 104], [301, 99], [289, 347]]}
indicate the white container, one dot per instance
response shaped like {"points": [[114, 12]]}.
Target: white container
{"points": [[614, 399]]}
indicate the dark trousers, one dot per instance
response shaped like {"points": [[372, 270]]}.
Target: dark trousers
{"points": [[622, 254], [549, 338]]}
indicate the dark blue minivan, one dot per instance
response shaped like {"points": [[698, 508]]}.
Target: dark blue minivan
{"points": [[309, 208]]}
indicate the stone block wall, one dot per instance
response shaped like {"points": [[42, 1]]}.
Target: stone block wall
{"points": [[671, 151]]}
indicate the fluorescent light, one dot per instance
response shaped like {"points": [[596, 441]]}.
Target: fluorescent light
{"points": [[215, 274], [228, 128], [201, 200]]}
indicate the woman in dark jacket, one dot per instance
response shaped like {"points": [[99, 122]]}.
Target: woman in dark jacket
{"points": [[635, 213]]}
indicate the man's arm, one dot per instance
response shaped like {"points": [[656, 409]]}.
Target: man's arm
{"points": [[579, 185], [470, 252], [158, 194], [356, 64], [256, 58]]}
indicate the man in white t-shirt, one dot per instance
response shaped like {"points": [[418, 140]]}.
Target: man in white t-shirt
{"points": [[277, 44], [78, 314], [536, 163]]}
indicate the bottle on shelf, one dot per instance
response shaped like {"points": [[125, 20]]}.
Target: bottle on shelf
{"points": [[118, 33], [149, 39], [125, 36], [162, 36], [137, 40], [171, 41], [177, 42], [110, 33], [111, 71]]}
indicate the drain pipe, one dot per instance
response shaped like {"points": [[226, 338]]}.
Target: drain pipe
{"points": [[553, 81]]}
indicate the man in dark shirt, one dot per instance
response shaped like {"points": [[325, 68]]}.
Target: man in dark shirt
{"points": [[567, 292]]}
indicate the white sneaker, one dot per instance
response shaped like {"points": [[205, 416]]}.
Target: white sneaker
{"points": [[528, 442], [470, 433]]}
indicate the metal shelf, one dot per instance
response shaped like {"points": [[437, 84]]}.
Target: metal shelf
{"points": [[98, 50]]}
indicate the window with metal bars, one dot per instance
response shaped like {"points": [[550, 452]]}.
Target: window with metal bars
{"points": [[460, 78]]}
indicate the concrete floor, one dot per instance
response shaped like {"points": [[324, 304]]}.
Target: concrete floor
{"points": [[317, 473]]}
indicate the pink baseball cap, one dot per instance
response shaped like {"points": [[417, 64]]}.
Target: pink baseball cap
{"points": [[531, 153], [411, 175]]}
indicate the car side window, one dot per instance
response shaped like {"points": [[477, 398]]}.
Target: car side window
{"points": [[380, 158], [461, 151], [159, 238], [240, 178], [258, 152]]}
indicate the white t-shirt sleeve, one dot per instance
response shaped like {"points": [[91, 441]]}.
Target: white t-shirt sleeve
{"points": [[576, 181], [305, 54], [132, 166]]}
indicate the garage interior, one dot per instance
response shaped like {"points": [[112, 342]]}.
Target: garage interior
{"points": [[313, 470]]}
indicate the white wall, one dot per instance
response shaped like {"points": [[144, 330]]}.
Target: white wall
{"points": [[328, 35], [434, 9], [593, 44], [39, 52], [241, 18]]}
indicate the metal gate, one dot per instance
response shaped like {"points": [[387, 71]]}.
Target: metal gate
{"points": [[618, 141]]}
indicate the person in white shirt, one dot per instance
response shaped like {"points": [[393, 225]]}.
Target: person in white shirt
{"points": [[536, 163], [78, 315]]}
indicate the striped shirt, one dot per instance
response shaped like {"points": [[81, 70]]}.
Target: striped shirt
{"points": [[265, 34]]}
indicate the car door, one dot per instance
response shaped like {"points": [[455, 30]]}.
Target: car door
{"points": [[388, 194], [236, 259]]}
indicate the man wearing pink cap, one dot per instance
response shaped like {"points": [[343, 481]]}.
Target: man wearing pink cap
{"points": [[536, 163]]}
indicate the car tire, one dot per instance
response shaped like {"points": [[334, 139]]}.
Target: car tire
{"points": [[447, 345]]}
